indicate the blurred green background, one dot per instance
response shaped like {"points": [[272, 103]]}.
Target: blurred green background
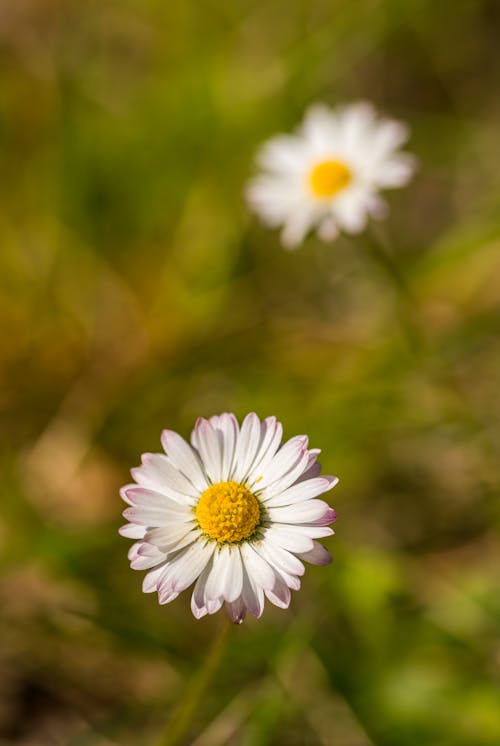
{"points": [[137, 293]]}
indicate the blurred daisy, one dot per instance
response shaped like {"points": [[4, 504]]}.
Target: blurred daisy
{"points": [[234, 512], [328, 175]]}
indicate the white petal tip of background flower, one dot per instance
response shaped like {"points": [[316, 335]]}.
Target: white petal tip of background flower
{"points": [[234, 512], [327, 176]]}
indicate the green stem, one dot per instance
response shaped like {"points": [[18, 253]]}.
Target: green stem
{"points": [[182, 717], [408, 305]]}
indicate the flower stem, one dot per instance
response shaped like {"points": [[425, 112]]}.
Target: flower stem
{"points": [[182, 717], [380, 255]]}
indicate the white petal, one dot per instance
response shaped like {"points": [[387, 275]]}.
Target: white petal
{"points": [[142, 497], [185, 567], [214, 604], [284, 461], [270, 442], [152, 509], [209, 447], [259, 571], [226, 576], [155, 517], [132, 531], [288, 479], [388, 136], [173, 537], [252, 595], [280, 559], [306, 512], [283, 154], [320, 127], [313, 468], [158, 473], [246, 447], [297, 225], [151, 580], [184, 458], [328, 229], [350, 211], [290, 540], [395, 172], [301, 491], [313, 532], [227, 425], [273, 198]]}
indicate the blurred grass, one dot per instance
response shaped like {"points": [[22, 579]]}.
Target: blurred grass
{"points": [[136, 294]]}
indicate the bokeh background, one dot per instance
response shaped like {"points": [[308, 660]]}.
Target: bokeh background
{"points": [[137, 293]]}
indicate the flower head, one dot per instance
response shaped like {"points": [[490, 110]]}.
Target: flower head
{"points": [[328, 175], [236, 511]]}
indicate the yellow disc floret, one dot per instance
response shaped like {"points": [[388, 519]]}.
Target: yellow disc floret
{"points": [[228, 512], [329, 177]]}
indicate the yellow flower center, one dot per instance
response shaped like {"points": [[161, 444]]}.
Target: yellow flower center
{"points": [[228, 512], [329, 177]]}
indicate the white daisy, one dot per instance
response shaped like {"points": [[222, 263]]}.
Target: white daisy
{"points": [[328, 175], [236, 511]]}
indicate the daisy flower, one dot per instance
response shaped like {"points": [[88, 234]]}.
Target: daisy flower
{"points": [[235, 512], [328, 175]]}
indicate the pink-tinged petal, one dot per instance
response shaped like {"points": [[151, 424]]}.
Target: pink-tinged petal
{"points": [[301, 492], [132, 531], [198, 603], [312, 471], [123, 492], [184, 459], [310, 511], [318, 555], [209, 448], [151, 580], [143, 557], [329, 516], [166, 598], [236, 610], [252, 595], [328, 229], [279, 594]]}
